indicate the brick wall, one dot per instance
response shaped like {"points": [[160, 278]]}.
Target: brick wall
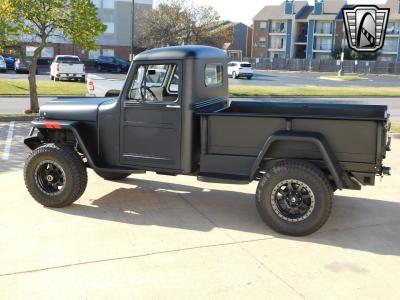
{"points": [[69, 49], [259, 51]]}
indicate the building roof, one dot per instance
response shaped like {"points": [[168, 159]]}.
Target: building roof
{"points": [[277, 12], [182, 52], [305, 12]]}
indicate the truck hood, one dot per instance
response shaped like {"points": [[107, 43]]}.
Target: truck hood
{"points": [[72, 109]]}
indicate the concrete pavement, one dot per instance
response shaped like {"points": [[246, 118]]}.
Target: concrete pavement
{"points": [[160, 237]]}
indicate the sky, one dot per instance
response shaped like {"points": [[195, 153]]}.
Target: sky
{"points": [[244, 10]]}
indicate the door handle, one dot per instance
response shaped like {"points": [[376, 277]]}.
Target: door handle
{"points": [[173, 106]]}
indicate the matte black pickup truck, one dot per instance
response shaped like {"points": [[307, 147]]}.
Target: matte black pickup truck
{"points": [[174, 116]]}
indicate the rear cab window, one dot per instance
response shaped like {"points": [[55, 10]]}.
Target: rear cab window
{"points": [[245, 65], [214, 75], [68, 60]]}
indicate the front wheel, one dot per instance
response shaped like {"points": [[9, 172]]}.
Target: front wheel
{"points": [[234, 76], [294, 198], [55, 175]]}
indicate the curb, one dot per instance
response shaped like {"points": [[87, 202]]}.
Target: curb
{"points": [[17, 117]]}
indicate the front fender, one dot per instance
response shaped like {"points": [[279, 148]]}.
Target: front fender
{"points": [[34, 141]]}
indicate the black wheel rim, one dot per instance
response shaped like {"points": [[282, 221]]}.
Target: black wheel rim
{"points": [[50, 177], [293, 200]]}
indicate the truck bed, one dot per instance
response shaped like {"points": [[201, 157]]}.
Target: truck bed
{"points": [[234, 135]]}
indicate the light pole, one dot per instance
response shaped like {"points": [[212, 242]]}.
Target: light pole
{"points": [[133, 30]]}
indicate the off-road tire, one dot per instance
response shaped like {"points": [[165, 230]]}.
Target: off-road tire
{"points": [[112, 176], [307, 173], [74, 170]]}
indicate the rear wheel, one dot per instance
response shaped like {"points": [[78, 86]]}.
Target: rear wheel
{"points": [[113, 176], [51, 77], [294, 198], [55, 175], [249, 77]]}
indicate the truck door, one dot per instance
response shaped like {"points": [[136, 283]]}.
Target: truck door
{"points": [[151, 117]]}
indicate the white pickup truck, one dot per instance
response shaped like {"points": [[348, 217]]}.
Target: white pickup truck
{"points": [[67, 67], [100, 87]]}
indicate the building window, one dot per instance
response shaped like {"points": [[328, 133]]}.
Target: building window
{"points": [[263, 26], [277, 42], [108, 4], [110, 27], [213, 75], [47, 52], [393, 28], [323, 43], [94, 54], [108, 52], [324, 27], [278, 27], [262, 42], [390, 45]]}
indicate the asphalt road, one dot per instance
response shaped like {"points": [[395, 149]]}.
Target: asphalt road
{"points": [[160, 237], [20, 104], [261, 78]]}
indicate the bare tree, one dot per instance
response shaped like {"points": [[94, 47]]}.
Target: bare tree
{"points": [[178, 22]]}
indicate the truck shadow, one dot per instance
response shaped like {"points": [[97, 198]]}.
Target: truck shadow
{"points": [[355, 223]]}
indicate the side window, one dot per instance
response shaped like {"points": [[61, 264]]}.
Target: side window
{"points": [[155, 84], [214, 75]]}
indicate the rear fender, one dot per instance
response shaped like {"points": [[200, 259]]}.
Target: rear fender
{"points": [[46, 127], [317, 139]]}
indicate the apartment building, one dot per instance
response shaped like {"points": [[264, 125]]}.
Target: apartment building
{"points": [[239, 43], [117, 15], [295, 29]]}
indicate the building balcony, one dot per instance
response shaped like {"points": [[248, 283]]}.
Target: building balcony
{"points": [[321, 33], [282, 49], [324, 50], [389, 51], [277, 32]]}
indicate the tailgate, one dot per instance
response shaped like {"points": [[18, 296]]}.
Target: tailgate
{"points": [[71, 68]]}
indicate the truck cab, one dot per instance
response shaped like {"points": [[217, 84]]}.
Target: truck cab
{"points": [[174, 116]]}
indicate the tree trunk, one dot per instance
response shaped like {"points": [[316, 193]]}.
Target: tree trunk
{"points": [[32, 81]]}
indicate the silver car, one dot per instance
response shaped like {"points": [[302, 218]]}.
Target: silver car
{"points": [[3, 65]]}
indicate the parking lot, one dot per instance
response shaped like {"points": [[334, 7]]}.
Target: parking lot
{"points": [[161, 237], [261, 78]]}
